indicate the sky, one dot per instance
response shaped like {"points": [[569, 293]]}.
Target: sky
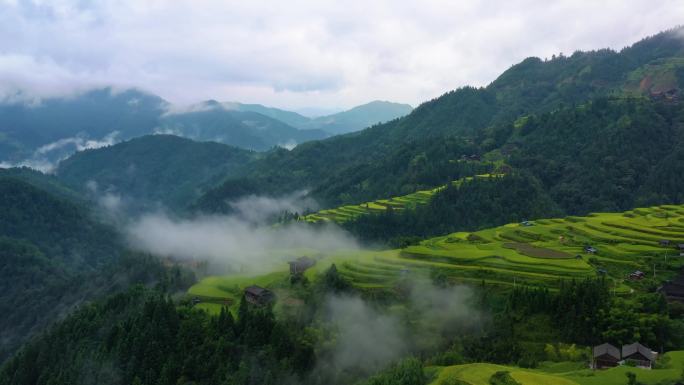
{"points": [[300, 54]]}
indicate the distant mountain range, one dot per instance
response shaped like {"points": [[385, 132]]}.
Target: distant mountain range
{"points": [[343, 122], [39, 135]]}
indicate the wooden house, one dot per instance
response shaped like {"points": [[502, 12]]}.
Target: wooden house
{"points": [[605, 356], [300, 265], [636, 275], [639, 355], [257, 295]]}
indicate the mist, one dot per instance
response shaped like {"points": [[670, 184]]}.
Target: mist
{"points": [[367, 339], [244, 241], [47, 157]]}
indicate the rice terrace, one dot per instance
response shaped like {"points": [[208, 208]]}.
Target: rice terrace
{"points": [[540, 252], [342, 193]]}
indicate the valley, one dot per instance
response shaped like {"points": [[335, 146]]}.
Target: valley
{"points": [[528, 230]]}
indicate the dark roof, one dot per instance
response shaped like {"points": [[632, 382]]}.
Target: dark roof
{"points": [[256, 290], [673, 289], [628, 350], [681, 246], [606, 349]]}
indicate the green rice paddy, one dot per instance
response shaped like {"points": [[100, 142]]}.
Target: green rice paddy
{"points": [[479, 374], [543, 253], [349, 212]]}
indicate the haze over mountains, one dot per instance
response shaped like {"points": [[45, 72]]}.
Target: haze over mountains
{"points": [[40, 134], [593, 131]]}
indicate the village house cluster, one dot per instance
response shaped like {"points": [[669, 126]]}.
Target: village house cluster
{"points": [[608, 356]]}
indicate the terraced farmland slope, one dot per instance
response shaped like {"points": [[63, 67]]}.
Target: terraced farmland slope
{"points": [[553, 374], [349, 212], [543, 252]]}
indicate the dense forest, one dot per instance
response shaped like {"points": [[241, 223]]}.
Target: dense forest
{"points": [[379, 161], [561, 137], [142, 337]]}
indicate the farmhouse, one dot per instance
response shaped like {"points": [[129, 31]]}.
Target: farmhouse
{"points": [[257, 295], [605, 356], [664, 242], [590, 249], [300, 265], [680, 247], [637, 275], [639, 354]]}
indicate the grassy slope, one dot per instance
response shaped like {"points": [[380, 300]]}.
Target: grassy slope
{"points": [[349, 212], [476, 374], [542, 254]]}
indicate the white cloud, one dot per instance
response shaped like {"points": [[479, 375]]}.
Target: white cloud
{"points": [[300, 53], [232, 241], [46, 158]]}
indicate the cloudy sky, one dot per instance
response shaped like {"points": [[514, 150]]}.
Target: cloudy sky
{"points": [[296, 54]]}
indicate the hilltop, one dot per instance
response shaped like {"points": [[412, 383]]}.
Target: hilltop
{"points": [[417, 152]]}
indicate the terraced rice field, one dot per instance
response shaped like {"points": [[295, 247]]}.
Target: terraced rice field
{"points": [[544, 252], [349, 212], [479, 374]]}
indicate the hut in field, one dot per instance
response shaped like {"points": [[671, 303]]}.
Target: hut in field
{"points": [[590, 249], [639, 355], [259, 296], [300, 265], [605, 356], [664, 242]]}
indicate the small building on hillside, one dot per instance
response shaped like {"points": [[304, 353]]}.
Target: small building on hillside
{"points": [[259, 296], [300, 265], [637, 275], [680, 247], [639, 355], [590, 249], [605, 356], [664, 242]]}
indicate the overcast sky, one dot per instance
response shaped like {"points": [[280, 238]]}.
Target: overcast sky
{"points": [[295, 54]]}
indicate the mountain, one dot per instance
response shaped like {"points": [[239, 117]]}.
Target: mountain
{"points": [[39, 134], [420, 151], [288, 117], [45, 243], [355, 119], [154, 169], [246, 129], [360, 117]]}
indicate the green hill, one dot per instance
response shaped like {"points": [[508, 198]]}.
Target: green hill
{"points": [[47, 246], [155, 169], [360, 117], [241, 128], [543, 252], [417, 152], [480, 373], [351, 212]]}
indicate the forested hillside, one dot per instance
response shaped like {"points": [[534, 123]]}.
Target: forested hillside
{"points": [[420, 150], [154, 169], [54, 256]]}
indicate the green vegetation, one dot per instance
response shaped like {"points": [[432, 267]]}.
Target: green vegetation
{"points": [[472, 204], [543, 252], [480, 373], [629, 138], [154, 169], [410, 201], [54, 256], [141, 337]]}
